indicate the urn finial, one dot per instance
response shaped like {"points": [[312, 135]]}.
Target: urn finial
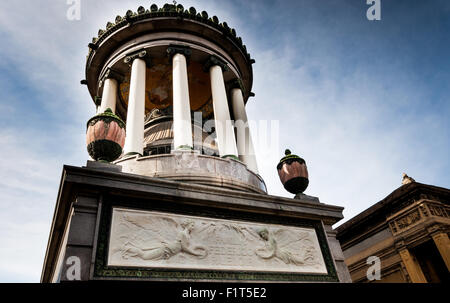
{"points": [[105, 136], [293, 173]]}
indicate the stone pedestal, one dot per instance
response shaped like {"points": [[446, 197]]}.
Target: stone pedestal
{"points": [[303, 197], [111, 225]]}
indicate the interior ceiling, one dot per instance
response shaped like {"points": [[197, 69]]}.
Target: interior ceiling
{"points": [[158, 90]]}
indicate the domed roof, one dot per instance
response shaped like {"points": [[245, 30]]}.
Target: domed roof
{"points": [[150, 24], [168, 10]]}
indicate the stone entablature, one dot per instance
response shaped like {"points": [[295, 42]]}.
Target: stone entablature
{"points": [[422, 211]]}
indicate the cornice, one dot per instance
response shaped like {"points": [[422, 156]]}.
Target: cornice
{"points": [[168, 10]]}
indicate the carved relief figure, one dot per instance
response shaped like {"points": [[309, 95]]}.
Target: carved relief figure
{"points": [[169, 239], [272, 249], [281, 245], [159, 239]]}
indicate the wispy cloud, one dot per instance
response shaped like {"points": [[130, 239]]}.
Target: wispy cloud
{"points": [[361, 102]]}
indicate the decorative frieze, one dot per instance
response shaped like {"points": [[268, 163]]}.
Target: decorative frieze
{"points": [[408, 220], [438, 211], [150, 239], [416, 214]]}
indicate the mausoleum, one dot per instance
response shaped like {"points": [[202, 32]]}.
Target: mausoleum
{"points": [[174, 192]]}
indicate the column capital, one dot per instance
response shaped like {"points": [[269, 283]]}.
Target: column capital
{"points": [[97, 100], [214, 60], [400, 245], [174, 49], [236, 83], [112, 74], [140, 54]]}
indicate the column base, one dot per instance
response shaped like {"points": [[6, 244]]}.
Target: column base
{"points": [[231, 157], [183, 151], [132, 154], [184, 148]]}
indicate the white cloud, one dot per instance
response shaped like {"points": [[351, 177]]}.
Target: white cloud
{"points": [[349, 131], [356, 134]]}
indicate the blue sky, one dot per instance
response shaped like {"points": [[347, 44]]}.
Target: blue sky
{"points": [[362, 101]]}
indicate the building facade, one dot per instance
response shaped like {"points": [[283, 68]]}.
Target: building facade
{"points": [[408, 231]]}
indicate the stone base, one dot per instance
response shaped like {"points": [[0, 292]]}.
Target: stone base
{"points": [[121, 226], [193, 167], [306, 198], [103, 166]]}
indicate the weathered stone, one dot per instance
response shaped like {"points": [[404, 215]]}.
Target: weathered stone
{"points": [[103, 166], [223, 207]]}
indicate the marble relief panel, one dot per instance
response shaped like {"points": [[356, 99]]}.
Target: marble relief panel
{"points": [[157, 239]]}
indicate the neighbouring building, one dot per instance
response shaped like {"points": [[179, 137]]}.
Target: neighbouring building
{"points": [[408, 231]]}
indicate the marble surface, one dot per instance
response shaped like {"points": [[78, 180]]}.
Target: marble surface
{"points": [[190, 166], [157, 239]]}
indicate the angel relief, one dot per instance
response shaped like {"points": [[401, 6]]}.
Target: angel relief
{"points": [[145, 239], [161, 238], [281, 244]]}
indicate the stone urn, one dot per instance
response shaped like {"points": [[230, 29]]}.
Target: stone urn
{"points": [[293, 173], [105, 136]]}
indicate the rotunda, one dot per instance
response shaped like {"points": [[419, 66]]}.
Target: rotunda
{"points": [[158, 69]]}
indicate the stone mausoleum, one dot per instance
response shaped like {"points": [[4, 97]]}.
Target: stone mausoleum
{"points": [[174, 193], [408, 231]]}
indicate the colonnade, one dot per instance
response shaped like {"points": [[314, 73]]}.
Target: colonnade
{"points": [[182, 128]]}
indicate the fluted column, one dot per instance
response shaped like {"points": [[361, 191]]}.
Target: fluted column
{"points": [[182, 127], [443, 244], [412, 266], [243, 139], [134, 140], [224, 128]]}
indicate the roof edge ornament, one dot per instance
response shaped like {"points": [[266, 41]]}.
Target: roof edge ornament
{"points": [[168, 10], [407, 179]]}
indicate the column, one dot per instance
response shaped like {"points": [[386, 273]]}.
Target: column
{"points": [[443, 244], [134, 140], [412, 266], [109, 95], [110, 88], [224, 128], [244, 139], [182, 127]]}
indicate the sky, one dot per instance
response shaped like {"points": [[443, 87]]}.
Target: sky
{"points": [[361, 101]]}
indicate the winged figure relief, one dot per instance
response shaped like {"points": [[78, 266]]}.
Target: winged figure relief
{"points": [[281, 244], [160, 238]]}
